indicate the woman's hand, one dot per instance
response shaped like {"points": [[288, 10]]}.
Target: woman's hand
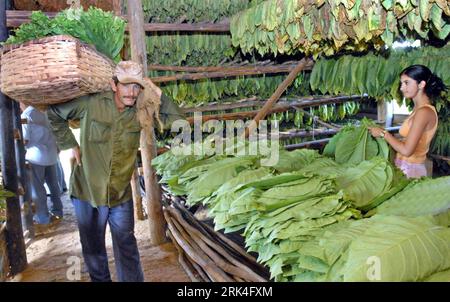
{"points": [[376, 132]]}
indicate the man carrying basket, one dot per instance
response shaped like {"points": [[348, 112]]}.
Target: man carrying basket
{"points": [[110, 125]]}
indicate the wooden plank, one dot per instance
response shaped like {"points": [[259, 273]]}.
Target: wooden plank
{"points": [[24, 188], [148, 140], [188, 27], [226, 72], [184, 262], [280, 107], [320, 142], [137, 198], [307, 101], [4, 261], [233, 266], [193, 250], [14, 233], [217, 236], [117, 7], [16, 18], [307, 144], [304, 133], [440, 157]]}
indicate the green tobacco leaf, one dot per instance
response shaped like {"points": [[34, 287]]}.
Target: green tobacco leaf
{"points": [[365, 182], [436, 17], [421, 197], [398, 249], [443, 276]]}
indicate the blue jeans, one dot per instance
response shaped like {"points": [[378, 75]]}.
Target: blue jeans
{"points": [[39, 176], [92, 226]]}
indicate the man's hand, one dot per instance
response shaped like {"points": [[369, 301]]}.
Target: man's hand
{"points": [[76, 155]]}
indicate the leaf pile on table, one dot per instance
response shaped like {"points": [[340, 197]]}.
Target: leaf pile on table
{"points": [[349, 216]]}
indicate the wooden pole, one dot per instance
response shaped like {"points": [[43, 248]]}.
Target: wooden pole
{"points": [[225, 72], [276, 95], [23, 175], [15, 242], [148, 140], [137, 197], [309, 144], [117, 7], [187, 27], [300, 102], [304, 133], [16, 18], [323, 141], [280, 107]]}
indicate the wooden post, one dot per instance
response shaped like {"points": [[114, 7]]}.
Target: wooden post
{"points": [[148, 140], [137, 198], [276, 95], [382, 112], [15, 242], [23, 176], [117, 7]]}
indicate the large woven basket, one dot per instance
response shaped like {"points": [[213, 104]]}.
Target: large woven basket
{"points": [[53, 70]]}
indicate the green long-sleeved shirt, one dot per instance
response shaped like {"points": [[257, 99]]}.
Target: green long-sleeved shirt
{"points": [[109, 141]]}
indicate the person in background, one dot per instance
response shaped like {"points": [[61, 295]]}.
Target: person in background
{"points": [[419, 84], [41, 153]]}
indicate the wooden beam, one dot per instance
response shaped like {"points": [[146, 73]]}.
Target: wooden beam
{"points": [[244, 103], [137, 198], [117, 7], [307, 144], [304, 133], [16, 18], [188, 27], [23, 176], [227, 72], [148, 140], [192, 249], [440, 157], [323, 141], [234, 266], [307, 101], [276, 95], [280, 107], [14, 233]]}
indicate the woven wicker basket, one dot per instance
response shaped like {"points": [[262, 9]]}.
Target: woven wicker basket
{"points": [[53, 70]]}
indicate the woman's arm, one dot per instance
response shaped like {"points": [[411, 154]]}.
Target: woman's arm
{"points": [[422, 119]]}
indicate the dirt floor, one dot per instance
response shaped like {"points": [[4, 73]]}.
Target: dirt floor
{"points": [[56, 256]]}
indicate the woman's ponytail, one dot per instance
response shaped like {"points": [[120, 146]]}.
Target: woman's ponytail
{"points": [[434, 86]]}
